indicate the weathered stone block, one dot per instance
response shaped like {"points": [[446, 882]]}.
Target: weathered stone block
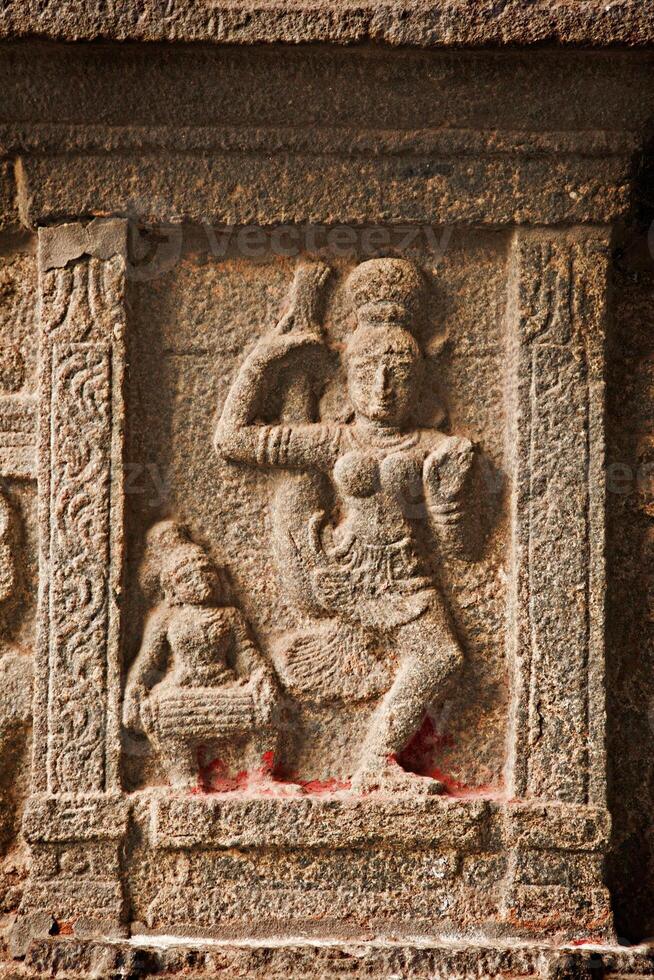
{"points": [[307, 616]]}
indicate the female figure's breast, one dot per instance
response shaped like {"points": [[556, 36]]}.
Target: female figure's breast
{"points": [[356, 474], [379, 491]]}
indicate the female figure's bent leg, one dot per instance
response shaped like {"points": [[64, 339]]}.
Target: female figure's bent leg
{"points": [[430, 654]]}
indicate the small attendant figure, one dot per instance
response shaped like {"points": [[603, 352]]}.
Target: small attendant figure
{"points": [[198, 680]]}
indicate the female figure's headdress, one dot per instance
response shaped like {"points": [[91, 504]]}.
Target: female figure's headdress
{"points": [[386, 292]]}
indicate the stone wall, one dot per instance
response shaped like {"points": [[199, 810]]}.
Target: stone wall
{"points": [[325, 500]]}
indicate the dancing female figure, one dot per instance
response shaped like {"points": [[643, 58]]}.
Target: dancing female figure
{"points": [[390, 478]]}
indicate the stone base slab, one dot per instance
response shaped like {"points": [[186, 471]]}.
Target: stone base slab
{"points": [[226, 867], [144, 957]]}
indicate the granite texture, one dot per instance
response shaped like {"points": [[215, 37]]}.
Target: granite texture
{"points": [[445, 23], [325, 464]]}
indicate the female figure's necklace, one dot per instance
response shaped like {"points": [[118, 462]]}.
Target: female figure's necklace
{"points": [[381, 438]]}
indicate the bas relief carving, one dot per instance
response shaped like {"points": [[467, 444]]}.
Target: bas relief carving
{"points": [[369, 516], [366, 511], [364, 556], [198, 679], [259, 548]]}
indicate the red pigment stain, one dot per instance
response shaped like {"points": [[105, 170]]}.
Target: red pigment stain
{"points": [[266, 780], [583, 942], [418, 754], [318, 786], [214, 777], [63, 929], [418, 757]]}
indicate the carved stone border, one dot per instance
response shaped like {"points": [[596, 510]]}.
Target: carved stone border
{"points": [[82, 324], [557, 313], [557, 323]]}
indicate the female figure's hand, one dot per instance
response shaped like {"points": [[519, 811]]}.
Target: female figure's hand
{"points": [[303, 314], [299, 327], [446, 468]]}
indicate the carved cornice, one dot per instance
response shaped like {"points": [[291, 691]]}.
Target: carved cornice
{"points": [[334, 141], [436, 175], [446, 23]]}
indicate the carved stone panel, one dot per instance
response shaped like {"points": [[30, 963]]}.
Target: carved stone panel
{"points": [[362, 510], [303, 507], [335, 650], [338, 619]]}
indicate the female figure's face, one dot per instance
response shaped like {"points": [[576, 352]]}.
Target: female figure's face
{"points": [[195, 583], [384, 366]]}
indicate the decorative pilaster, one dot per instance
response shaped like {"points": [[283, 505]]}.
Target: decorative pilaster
{"points": [[77, 677], [557, 313]]}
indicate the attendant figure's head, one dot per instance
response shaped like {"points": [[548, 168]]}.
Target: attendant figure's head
{"points": [[384, 360], [186, 573]]}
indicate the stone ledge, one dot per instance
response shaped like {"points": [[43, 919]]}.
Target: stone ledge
{"points": [[58, 819], [447, 23], [18, 436], [456, 960], [332, 141], [564, 826], [222, 821]]}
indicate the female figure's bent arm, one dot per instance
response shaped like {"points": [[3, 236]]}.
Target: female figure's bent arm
{"points": [[240, 438]]}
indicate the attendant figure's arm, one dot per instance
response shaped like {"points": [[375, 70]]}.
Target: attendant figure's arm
{"points": [[148, 668], [445, 477], [250, 664]]}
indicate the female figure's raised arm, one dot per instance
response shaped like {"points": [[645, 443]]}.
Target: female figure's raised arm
{"points": [[298, 446], [237, 435]]}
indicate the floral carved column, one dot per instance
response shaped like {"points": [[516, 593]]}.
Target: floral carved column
{"points": [[75, 818]]}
